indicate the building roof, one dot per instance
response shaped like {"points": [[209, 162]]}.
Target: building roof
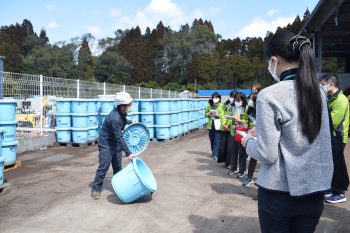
{"points": [[332, 19]]}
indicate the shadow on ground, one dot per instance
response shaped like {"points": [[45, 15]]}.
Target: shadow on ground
{"points": [[225, 224]]}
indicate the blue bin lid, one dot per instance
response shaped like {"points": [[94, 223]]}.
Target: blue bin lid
{"points": [[137, 138], [8, 101]]}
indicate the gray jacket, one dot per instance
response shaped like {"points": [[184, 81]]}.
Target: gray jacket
{"points": [[288, 162]]}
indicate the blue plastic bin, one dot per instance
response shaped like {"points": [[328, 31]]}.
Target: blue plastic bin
{"points": [[9, 150], [163, 131], [174, 130], [63, 105], [147, 118], [162, 118], [80, 135], [135, 106], [162, 105], [80, 120], [93, 134], [80, 106], [93, 120], [63, 135], [92, 106], [173, 105], [146, 105], [174, 118], [134, 181], [9, 128], [63, 120], [8, 110], [107, 105]]}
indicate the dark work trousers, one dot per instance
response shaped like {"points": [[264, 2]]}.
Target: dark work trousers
{"points": [[279, 212], [222, 155], [214, 136], [242, 158], [106, 157], [251, 167], [230, 149], [234, 155], [339, 191]]}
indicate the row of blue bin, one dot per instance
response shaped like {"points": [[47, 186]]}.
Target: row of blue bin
{"points": [[67, 105], [77, 135], [8, 142]]}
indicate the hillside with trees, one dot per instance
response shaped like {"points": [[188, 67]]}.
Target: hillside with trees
{"points": [[159, 57]]}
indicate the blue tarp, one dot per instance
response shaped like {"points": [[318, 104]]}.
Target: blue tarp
{"points": [[222, 92]]}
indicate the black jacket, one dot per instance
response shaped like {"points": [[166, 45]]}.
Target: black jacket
{"points": [[111, 135]]}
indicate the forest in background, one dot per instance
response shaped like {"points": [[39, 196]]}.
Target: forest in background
{"points": [[157, 58]]}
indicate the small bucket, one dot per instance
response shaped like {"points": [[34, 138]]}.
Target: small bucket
{"points": [[134, 181]]}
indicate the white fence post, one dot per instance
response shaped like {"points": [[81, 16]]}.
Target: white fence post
{"points": [[104, 88], [124, 88], [78, 88], [139, 92], [161, 93], [169, 94], [41, 105], [151, 93]]}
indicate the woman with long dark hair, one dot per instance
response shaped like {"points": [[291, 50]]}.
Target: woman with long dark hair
{"points": [[293, 141]]}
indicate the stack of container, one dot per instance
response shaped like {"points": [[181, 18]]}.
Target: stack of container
{"points": [[147, 115], [76, 120], [8, 125], [63, 120]]}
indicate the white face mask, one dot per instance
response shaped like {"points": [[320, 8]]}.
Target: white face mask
{"points": [[273, 70], [231, 100], [129, 109], [216, 100], [325, 88], [250, 103], [238, 104]]}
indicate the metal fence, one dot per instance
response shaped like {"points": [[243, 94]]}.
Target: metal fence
{"points": [[39, 88], [20, 86]]}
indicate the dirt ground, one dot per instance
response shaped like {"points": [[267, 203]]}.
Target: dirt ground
{"points": [[51, 193]]}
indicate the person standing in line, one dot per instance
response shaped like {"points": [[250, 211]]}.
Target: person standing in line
{"points": [[228, 145], [293, 140], [111, 142], [213, 112], [239, 121], [339, 111], [252, 115]]}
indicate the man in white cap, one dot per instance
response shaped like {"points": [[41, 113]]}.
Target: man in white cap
{"points": [[111, 141]]}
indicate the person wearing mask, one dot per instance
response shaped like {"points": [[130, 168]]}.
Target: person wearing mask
{"points": [[239, 121], [339, 111], [111, 142], [228, 145], [252, 115], [292, 139], [213, 112]]}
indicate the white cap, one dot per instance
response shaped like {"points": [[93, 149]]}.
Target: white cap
{"points": [[123, 98]]}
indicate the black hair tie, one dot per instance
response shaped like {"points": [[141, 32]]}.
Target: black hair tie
{"points": [[297, 42]]}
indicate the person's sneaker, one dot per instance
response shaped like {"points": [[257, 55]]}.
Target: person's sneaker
{"points": [[327, 194], [214, 158], [231, 173], [240, 175], [248, 182], [95, 195], [336, 198]]}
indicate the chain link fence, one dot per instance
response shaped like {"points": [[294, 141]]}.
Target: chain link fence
{"points": [[36, 94]]}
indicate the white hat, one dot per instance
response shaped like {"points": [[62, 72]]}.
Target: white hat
{"points": [[123, 98]]}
